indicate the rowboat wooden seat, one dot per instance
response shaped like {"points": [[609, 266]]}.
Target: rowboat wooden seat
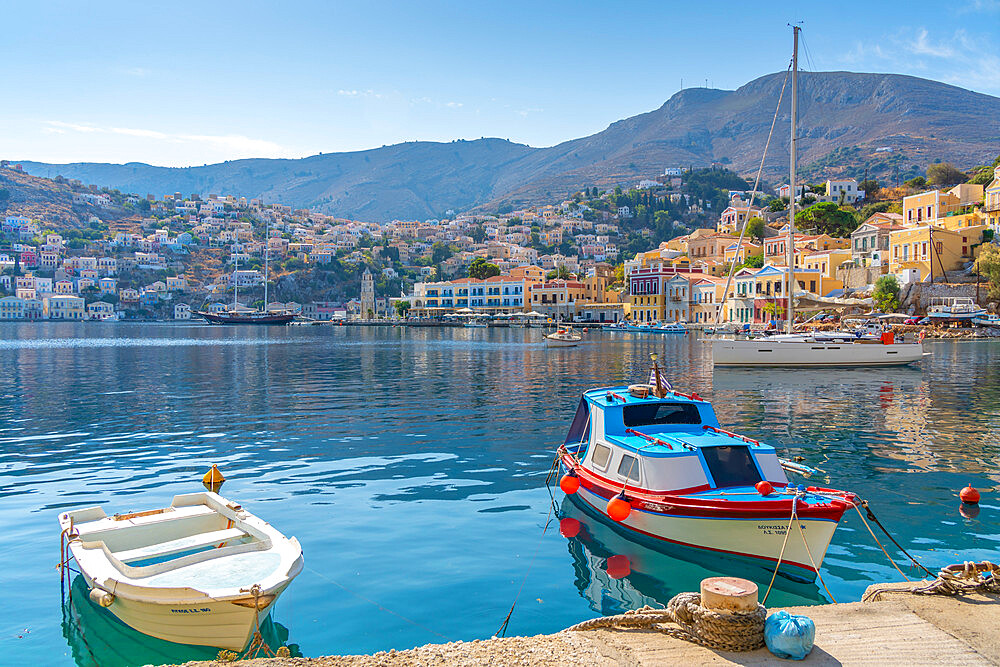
{"points": [[180, 545]]}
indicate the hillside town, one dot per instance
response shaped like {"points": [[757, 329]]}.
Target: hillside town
{"points": [[169, 257]]}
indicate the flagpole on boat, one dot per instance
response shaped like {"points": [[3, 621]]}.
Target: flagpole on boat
{"points": [[791, 180]]}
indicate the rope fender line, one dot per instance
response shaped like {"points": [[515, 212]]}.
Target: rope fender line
{"points": [[956, 579], [711, 629]]}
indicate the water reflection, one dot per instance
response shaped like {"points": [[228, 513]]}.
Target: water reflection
{"points": [[410, 463], [656, 574], [98, 639]]}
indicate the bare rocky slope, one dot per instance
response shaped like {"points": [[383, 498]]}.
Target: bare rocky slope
{"points": [[844, 118]]}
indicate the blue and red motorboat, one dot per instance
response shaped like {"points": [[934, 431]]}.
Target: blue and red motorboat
{"points": [[656, 463]]}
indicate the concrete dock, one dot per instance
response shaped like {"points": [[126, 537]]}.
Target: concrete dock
{"points": [[894, 628]]}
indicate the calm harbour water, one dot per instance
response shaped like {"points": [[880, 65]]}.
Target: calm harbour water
{"points": [[411, 465]]}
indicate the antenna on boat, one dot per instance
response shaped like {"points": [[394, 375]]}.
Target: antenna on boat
{"points": [[660, 391]]}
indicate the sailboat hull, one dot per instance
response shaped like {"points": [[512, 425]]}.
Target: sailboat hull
{"points": [[763, 352], [250, 318]]}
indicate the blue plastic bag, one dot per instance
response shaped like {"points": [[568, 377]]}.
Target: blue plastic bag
{"points": [[789, 636]]}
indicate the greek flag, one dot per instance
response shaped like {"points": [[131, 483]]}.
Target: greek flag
{"points": [[663, 381]]}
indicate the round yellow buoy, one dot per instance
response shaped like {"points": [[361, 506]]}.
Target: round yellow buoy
{"points": [[213, 479]]}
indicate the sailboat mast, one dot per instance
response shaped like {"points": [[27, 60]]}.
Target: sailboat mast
{"points": [[267, 256], [791, 179], [236, 270]]}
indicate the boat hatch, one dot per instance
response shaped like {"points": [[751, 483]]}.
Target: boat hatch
{"points": [[731, 465], [650, 414]]}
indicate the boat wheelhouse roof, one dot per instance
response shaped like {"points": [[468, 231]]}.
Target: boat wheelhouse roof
{"points": [[675, 425]]}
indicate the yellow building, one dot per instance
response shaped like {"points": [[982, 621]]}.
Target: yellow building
{"points": [[824, 261], [911, 248], [746, 249], [991, 202]]}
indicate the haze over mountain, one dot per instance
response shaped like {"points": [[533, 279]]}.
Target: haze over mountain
{"points": [[844, 118]]}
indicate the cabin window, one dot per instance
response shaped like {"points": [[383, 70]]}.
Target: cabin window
{"points": [[602, 455], [629, 468], [731, 466], [650, 414]]}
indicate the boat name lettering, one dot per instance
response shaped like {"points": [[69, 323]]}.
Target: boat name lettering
{"points": [[190, 611]]}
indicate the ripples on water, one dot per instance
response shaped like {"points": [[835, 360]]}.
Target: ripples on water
{"points": [[410, 463]]}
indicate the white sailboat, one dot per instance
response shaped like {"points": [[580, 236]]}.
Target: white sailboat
{"points": [[203, 571], [807, 349]]}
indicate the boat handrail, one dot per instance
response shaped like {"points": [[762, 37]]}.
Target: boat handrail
{"points": [[649, 438], [723, 431]]}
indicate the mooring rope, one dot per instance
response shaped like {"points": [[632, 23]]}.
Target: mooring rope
{"points": [[737, 631], [956, 579], [781, 554]]}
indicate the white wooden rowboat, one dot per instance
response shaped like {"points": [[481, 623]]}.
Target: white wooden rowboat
{"points": [[203, 571]]}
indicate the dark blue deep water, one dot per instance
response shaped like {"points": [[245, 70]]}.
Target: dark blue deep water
{"points": [[410, 464]]}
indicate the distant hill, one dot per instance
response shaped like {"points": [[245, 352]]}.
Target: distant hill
{"points": [[845, 118]]}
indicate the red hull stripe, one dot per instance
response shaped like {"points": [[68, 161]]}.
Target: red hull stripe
{"points": [[785, 561]]}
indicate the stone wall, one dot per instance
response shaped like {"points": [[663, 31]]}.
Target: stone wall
{"points": [[916, 297], [856, 277]]}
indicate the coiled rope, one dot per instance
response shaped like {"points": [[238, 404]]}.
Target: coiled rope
{"points": [[694, 623], [956, 579]]}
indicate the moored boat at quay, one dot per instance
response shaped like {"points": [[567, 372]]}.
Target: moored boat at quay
{"points": [[202, 571], [656, 463]]}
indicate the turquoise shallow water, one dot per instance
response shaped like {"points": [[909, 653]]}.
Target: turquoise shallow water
{"points": [[410, 464]]}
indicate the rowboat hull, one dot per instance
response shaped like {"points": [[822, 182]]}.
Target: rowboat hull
{"points": [[208, 622], [763, 352], [758, 539]]}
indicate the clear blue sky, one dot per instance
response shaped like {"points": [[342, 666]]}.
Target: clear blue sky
{"points": [[186, 83]]}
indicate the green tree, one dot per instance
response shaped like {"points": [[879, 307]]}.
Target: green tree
{"points": [[982, 175], [868, 210], [143, 206], [870, 187], [988, 266], [440, 252], [944, 173], [402, 308], [777, 204], [752, 262], [481, 268], [827, 218], [755, 229], [559, 272], [886, 294], [478, 234], [916, 182]]}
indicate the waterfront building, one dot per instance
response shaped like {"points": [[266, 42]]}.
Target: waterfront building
{"points": [[557, 298], [11, 308], [64, 307], [98, 310], [182, 311]]}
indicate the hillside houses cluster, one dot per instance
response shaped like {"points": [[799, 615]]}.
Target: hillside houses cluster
{"points": [[684, 279]]}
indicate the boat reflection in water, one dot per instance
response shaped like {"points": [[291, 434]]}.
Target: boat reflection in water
{"points": [[653, 576], [98, 639]]}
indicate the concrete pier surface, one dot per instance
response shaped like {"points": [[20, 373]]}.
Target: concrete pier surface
{"points": [[894, 628]]}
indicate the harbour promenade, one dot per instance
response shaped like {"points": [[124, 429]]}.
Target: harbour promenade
{"points": [[894, 628]]}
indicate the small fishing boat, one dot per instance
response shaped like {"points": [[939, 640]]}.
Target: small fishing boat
{"points": [[203, 571], [476, 324], [657, 328], [990, 320], [655, 463], [954, 309], [563, 338]]}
